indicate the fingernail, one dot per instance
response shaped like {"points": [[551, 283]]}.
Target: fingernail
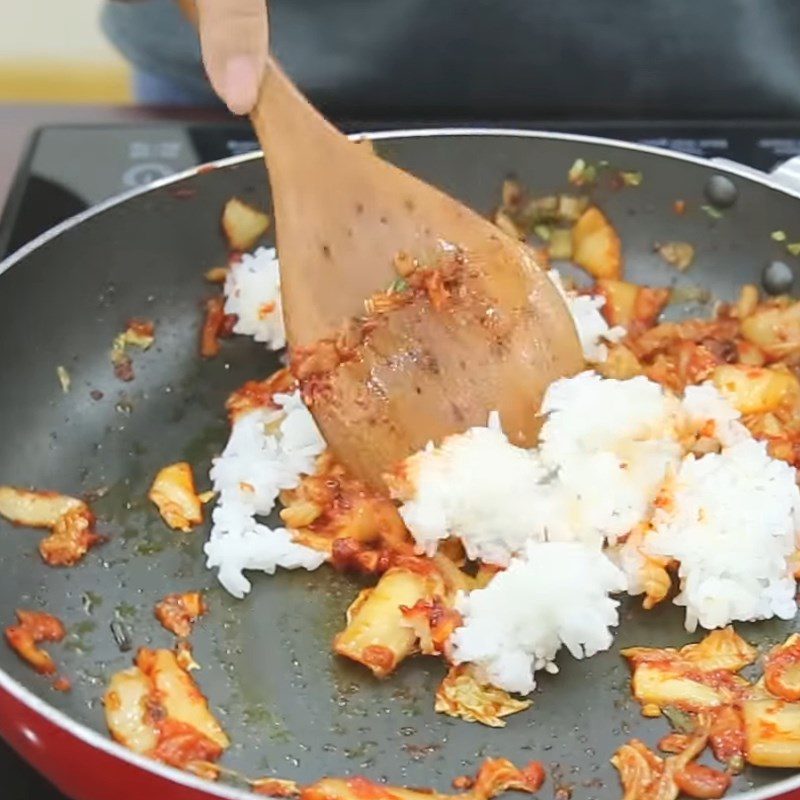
{"points": [[241, 84]]}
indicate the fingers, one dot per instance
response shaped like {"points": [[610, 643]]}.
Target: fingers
{"points": [[234, 40]]}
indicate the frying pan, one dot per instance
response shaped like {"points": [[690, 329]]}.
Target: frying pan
{"points": [[292, 708]]}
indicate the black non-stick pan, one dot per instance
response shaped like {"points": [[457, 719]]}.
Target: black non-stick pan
{"points": [[291, 707]]}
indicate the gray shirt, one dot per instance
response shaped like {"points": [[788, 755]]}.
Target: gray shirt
{"points": [[502, 60]]}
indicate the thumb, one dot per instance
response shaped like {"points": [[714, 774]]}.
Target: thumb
{"points": [[234, 41]]}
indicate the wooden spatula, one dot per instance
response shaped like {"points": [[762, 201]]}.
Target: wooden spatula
{"points": [[342, 216]]}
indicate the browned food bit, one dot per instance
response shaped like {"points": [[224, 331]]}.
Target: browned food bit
{"points": [[242, 224], [212, 324], [461, 694], [217, 274], [35, 627], [700, 781], [512, 193], [174, 493], [155, 708], [726, 737], [259, 394], [185, 657], [62, 684], [596, 246], [71, 538], [70, 520], [178, 612], [140, 333], [677, 254], [274, 787], [679, 207], [336, 513], [123, 365], [433, 620]]}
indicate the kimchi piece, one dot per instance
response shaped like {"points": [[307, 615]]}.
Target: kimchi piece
{"points": [[174, 493], [772, 714], [71, 522], [697, 677], [376, 635], [338, 514], [782, 670], [645, 775], [216, 325], [138, 333], [242, 224], [496, 775], [462, 694], [155, 708], [33, 628], [178, 612]]}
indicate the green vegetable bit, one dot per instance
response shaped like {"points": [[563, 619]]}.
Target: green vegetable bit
{"points": [[631, 178], [778, 236], [712, 212], [399, 285], [793, 248], [581, 173], [560, 244], [681, 721]]}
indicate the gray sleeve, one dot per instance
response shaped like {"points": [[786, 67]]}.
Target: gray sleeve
{"points": [[155, 38]]}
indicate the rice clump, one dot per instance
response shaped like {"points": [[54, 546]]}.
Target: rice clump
{"points": [[730, 520], [253, 293], [556, 594], [480, 485], [604, 452], [268, 450]]}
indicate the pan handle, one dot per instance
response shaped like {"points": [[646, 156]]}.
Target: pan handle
{"points": [[786, 174]]}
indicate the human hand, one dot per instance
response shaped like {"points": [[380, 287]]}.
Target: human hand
{"points": [[234, 41]]}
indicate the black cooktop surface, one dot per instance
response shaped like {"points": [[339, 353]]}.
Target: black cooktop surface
{"points": [[69, 168]]}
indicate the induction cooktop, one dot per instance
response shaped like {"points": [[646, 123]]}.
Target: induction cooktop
{"points": [[68, 168]]}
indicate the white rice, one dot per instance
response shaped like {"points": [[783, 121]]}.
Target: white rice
{"points": [[478, 485], [731, 525], [610, 443], [605, 450], [268, 450], [556, 594], [252, 292], [593, 330], [704, 404]]}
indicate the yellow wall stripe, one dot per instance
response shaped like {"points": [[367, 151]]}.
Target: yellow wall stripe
{"points": [[67, 82]]}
